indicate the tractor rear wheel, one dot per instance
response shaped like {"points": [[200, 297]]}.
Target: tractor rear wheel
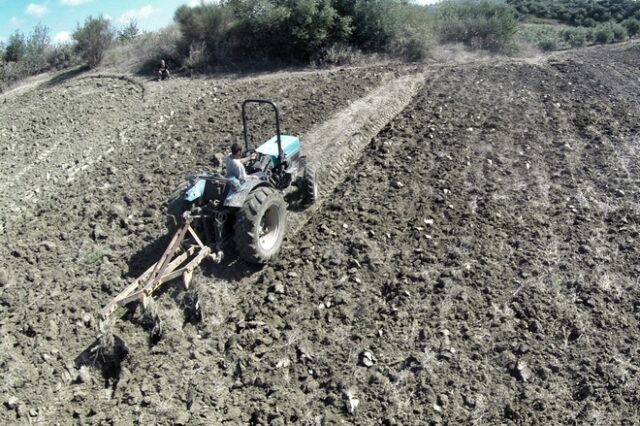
{"points": [[310, 184], [260, 225]]}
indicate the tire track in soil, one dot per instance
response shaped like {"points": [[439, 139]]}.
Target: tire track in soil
{"points": [[333, 146], [337, 143]]}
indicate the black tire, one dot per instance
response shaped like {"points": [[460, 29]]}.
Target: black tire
{"points": [[260, 225], [310, 185], [175, 207]]}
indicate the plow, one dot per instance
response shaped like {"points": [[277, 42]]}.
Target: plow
{"points": [[183, 255]]}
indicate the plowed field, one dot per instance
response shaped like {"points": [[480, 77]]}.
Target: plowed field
{"points": [[478, 263]]}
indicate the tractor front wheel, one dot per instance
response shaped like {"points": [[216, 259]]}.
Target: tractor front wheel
{"points": [[260, 225]]}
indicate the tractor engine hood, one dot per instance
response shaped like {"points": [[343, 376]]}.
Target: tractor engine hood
{"points": [[290, 146]]}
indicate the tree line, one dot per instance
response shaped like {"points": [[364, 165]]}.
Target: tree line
{"points": [[581, 13]]}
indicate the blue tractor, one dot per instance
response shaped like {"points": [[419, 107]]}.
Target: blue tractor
{"points": [[250, 214]]}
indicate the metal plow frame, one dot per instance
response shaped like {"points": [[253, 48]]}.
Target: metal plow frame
{"points": [[176, 261]]}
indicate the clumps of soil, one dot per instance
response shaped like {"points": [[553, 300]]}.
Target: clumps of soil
{"points": [[478, 265]]}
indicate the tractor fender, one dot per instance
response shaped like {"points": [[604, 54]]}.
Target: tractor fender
{"points": [[195, 191], [236, 197]]}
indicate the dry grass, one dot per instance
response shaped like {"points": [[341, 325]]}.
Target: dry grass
{"points": [[144, 51]]}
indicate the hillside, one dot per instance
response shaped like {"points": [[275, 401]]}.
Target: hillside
{"points": [[477, 265]]}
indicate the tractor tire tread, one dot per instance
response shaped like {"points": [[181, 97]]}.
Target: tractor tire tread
{"points": [[245, 238]]}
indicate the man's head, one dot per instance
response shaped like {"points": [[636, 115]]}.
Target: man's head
{"points": [[162, 62], [236, 150]]}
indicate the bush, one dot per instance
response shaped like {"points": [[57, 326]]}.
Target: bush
{"points": [[16, 47], [544, 36], [590, 35], [338, 54], [576, 37], [198, 59], [579, 12], [604, 34], [411, 43], [35, 57], [632, 25], [142, 54], [374, 23], [548, 44], [208, 26], [129, 32], [619, 32], [483, 24], [61, 56], [291, 29], [302, 30], [93, 39]]}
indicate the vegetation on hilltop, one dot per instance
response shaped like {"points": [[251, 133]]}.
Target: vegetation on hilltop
{"points": [[263, 32], [559, 24], [582, 13]]}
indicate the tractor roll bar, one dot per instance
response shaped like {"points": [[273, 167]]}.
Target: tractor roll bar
{"points": [[244, 122]]}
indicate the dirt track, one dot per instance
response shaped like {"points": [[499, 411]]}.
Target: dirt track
{"points": [[483, 251]]}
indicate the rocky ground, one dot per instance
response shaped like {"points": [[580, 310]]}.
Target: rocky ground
{"points": [[479, 265]]}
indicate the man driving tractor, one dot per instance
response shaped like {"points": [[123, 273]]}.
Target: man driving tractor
{"points": [[236, 163]]}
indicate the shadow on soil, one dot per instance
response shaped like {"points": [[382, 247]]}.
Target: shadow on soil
{"points": [[106, 353], [149, 69], [65, 76]]}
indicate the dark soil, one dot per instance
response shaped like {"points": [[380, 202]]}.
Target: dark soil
{"points": [[479, 265]]}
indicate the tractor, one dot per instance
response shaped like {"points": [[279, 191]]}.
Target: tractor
{"points": [[208, 211], [252, 213]]}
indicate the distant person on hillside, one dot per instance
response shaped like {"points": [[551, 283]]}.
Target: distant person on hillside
{"points": [[163, 71], [235, 163]]}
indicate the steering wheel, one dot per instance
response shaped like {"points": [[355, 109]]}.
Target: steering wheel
{"points": [[248, 153]]}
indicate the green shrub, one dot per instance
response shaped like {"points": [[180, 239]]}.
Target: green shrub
{"points": [[207, 25], [302, 30], [575, 37], [589, 22], [289, 29], [483, 24], [619, 32], [414, 36], [129, 31], [35, 57], [93, 39], [579, 12], [544, 36], [374, 23], [16, 47], [604, 34], [411, 43], [548, 44], [61, 56], [13, 71], [632, 25]]}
